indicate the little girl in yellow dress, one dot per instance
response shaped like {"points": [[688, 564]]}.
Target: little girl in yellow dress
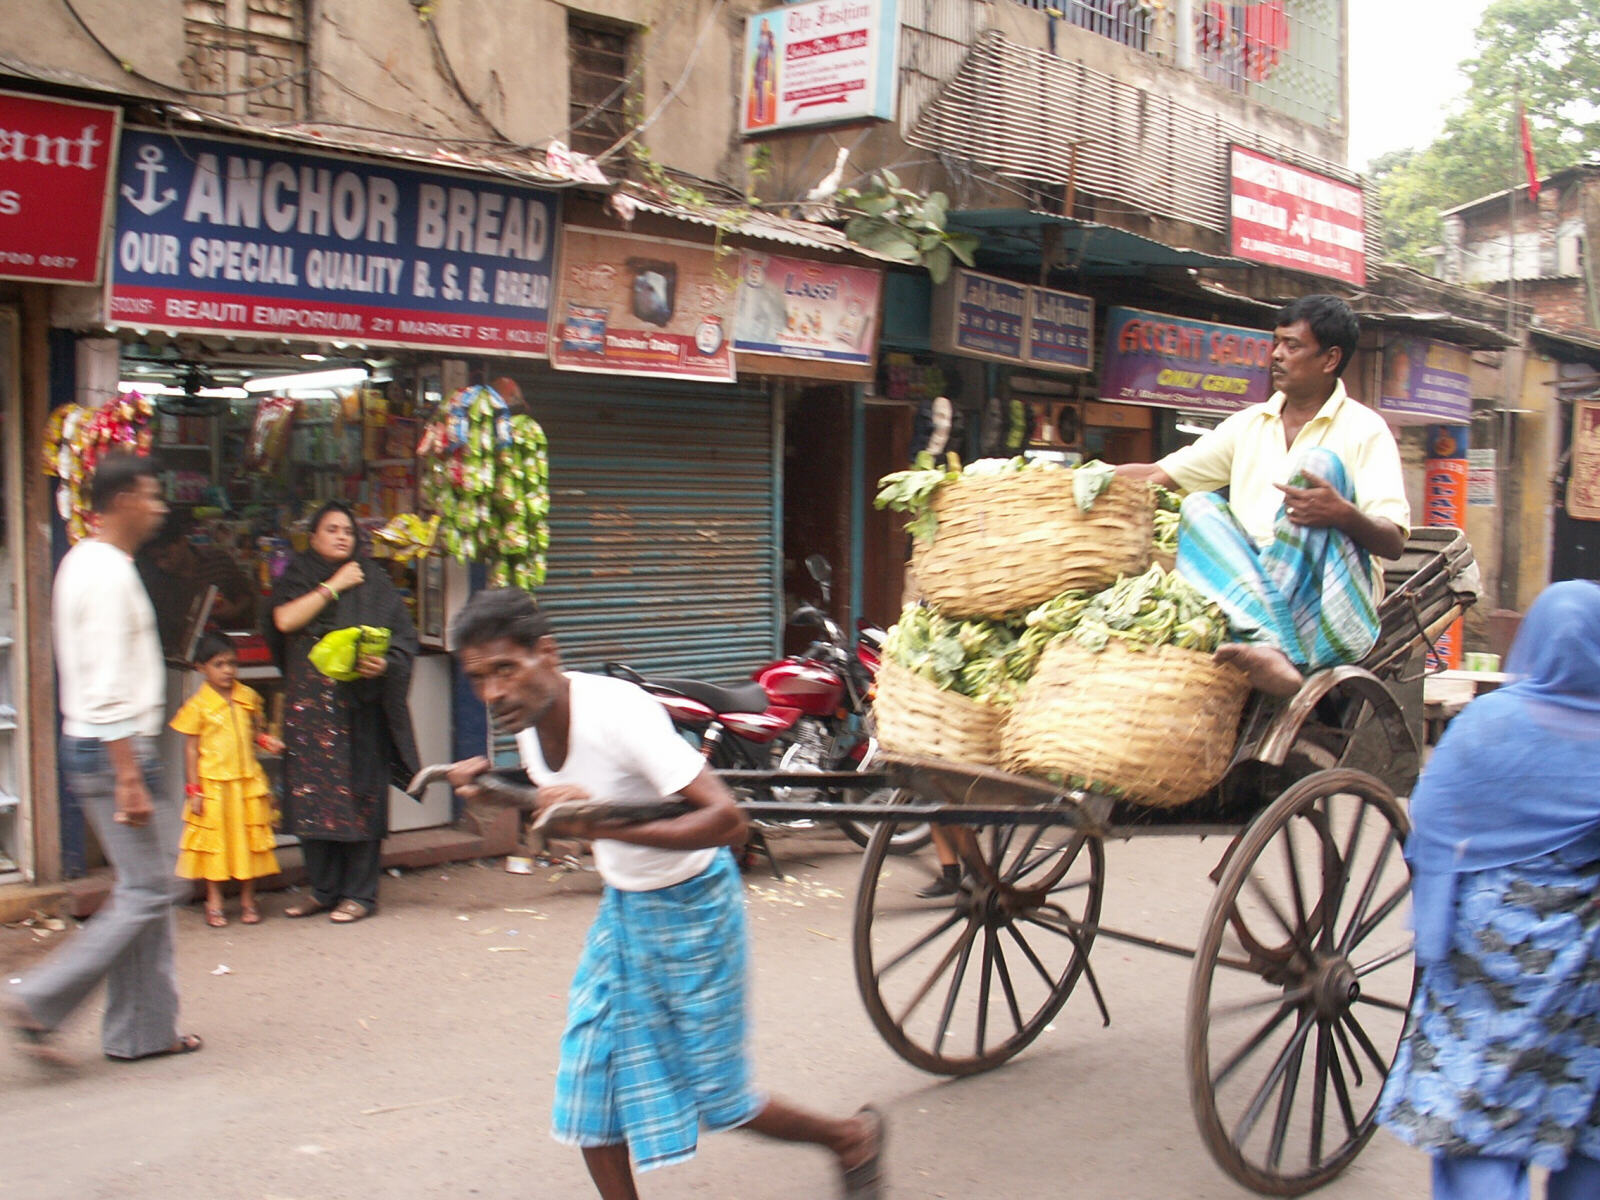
{"points": [[227, 821]]}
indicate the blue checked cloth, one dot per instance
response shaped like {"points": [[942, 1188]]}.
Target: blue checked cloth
{"points": [[656, 1025], [1309, 593]]}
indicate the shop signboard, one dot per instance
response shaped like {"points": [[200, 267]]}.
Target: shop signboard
{"points": [[1060, 330], [1425, 383], [231, 237], [1171, 362], [1286, 216], [1444, 503], [55, 187], [800, 308], [1583, 486], [821, 62], [628, 304], [983, 317], [1482, 491]]}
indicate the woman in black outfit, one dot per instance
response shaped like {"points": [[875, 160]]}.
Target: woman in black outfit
{"points": [[344, 742]]}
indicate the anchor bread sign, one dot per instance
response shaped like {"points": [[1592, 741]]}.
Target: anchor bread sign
{"points": [[55, 185]]}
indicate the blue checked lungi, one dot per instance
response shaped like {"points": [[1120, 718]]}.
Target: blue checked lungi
{"points": [[656, 1025], [1309, 593]]}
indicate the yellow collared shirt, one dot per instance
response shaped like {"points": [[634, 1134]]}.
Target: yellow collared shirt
{"points": [[226, 731], [1247, 455]]}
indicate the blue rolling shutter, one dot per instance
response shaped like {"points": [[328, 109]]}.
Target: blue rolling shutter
{"points": [[663, 526]]}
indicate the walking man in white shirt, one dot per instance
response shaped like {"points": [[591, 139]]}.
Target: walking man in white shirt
{"points": [[655, 1045], [1314, 493], [113, 687]]}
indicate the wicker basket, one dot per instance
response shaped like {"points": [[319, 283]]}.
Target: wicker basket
{"points": [[1159, 723], [916, 717], [1009, 542]]}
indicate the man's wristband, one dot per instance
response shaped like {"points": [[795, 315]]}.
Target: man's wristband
{"points": [[330, 593]]}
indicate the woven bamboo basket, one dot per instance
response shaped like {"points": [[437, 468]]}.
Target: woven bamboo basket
{"points": [[918, 718], [1010, 542], [1159, 723], [1167, 560]]}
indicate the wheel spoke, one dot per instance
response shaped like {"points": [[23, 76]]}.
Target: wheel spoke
{"points": [[921, 943], [1378, 916], [1369, 888], [1251, 1046], [1296, 935], [1384, 959], [1296, 892], [956, 978], [1020, 865], [1290, 997], [1289, 1053], [1319, 1097], [1381, 1002], [1038, 966], [1333, 892], [1349, 1053], [950, 955], [1342, 1091], [1005, 983], [983, 989], [1362, 1040], [1280, 1120]]}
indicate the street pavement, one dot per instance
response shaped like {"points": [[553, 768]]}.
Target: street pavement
{"points": [[413, 1055]]}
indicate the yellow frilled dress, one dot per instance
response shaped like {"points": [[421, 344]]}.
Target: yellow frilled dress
{"points": [[233, 838]]}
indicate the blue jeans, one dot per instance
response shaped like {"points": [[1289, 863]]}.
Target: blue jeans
{"points": [[129, 942]]}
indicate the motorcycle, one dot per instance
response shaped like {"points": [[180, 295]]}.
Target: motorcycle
{"points": [[811, 711]]}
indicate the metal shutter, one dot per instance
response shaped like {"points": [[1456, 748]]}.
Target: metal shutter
{"points": [[664, 525]]}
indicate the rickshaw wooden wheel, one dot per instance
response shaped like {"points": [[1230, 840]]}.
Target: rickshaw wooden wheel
{"points": [[1301, 984], [958, 984]]}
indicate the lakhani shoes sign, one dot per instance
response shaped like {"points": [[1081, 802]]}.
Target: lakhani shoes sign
{"points": [[56, 161], [233, 237]]}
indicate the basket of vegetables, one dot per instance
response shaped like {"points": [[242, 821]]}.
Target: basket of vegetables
{"points": [[942, 688], [1002, 536], [1129, 701]]}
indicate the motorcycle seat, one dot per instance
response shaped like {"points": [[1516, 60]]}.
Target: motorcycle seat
{"points": [[745, 698]]}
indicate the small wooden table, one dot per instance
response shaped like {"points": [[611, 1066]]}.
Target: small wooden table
{"points": [[1446, 693]]}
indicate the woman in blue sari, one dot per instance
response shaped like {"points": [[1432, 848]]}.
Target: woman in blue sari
{"points": [[1499, 1067]]}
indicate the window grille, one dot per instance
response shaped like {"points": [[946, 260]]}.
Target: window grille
{"points": [[253, 48], [598, 66]]}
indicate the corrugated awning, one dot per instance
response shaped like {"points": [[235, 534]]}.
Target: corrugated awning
{"points": [[1446, 327], [762, 226], [1016, 238]]}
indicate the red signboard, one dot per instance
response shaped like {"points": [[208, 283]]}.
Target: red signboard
{"points": [[55, 180], [1289, 217]]}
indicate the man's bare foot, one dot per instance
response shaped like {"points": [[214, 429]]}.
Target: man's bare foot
{"points": [[1269, 668]]}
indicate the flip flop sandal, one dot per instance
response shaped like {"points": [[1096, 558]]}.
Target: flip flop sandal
{"points": [[349, 911], [864, 1180], [309, 907], [215, 919], [187, 1043], [250, 915]]}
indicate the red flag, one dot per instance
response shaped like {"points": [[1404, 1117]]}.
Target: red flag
{"points": [[1527, 155]]}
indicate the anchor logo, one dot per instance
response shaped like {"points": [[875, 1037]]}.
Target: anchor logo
{"points": [[150, 166]]}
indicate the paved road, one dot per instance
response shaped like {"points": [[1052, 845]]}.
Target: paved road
{"points": [[413, 1055]]}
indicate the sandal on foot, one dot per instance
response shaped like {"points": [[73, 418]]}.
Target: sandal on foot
{"points": [[187, 1043], [309, 907], [215, 919], [249, 914], [38, 1044], [864, 1180], [347, 911]]}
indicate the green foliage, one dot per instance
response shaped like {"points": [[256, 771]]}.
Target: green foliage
{"points": [[907, 227], [1547, 52]]}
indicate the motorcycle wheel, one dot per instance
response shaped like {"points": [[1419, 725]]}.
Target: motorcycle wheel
{"points": [[906, 839]]}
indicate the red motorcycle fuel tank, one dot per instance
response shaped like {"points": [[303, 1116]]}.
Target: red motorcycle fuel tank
{"points": [[812, 687]]}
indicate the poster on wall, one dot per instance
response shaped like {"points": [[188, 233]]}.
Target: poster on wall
{"points": [[819, 62], [1171, 362], [55, 188], [800, 308], [629, 304], [1425, 383], [1444, 503], [1482, 489], [1583, 487], [230, 237], [1286, 216]]}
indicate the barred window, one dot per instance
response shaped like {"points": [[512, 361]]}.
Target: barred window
{"points": [[599, 59], [255, 49]]}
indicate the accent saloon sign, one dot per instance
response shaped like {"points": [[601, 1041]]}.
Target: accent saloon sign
{"points": [[1169, 362], [233, 237], [818, 63], [1288, 217], [54, 187]]}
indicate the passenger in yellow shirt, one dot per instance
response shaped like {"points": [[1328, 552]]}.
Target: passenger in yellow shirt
{"points": [[1314, 491], [227, 822]]}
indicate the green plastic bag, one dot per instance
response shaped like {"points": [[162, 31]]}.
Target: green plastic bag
{"points": [[337, 654]]}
